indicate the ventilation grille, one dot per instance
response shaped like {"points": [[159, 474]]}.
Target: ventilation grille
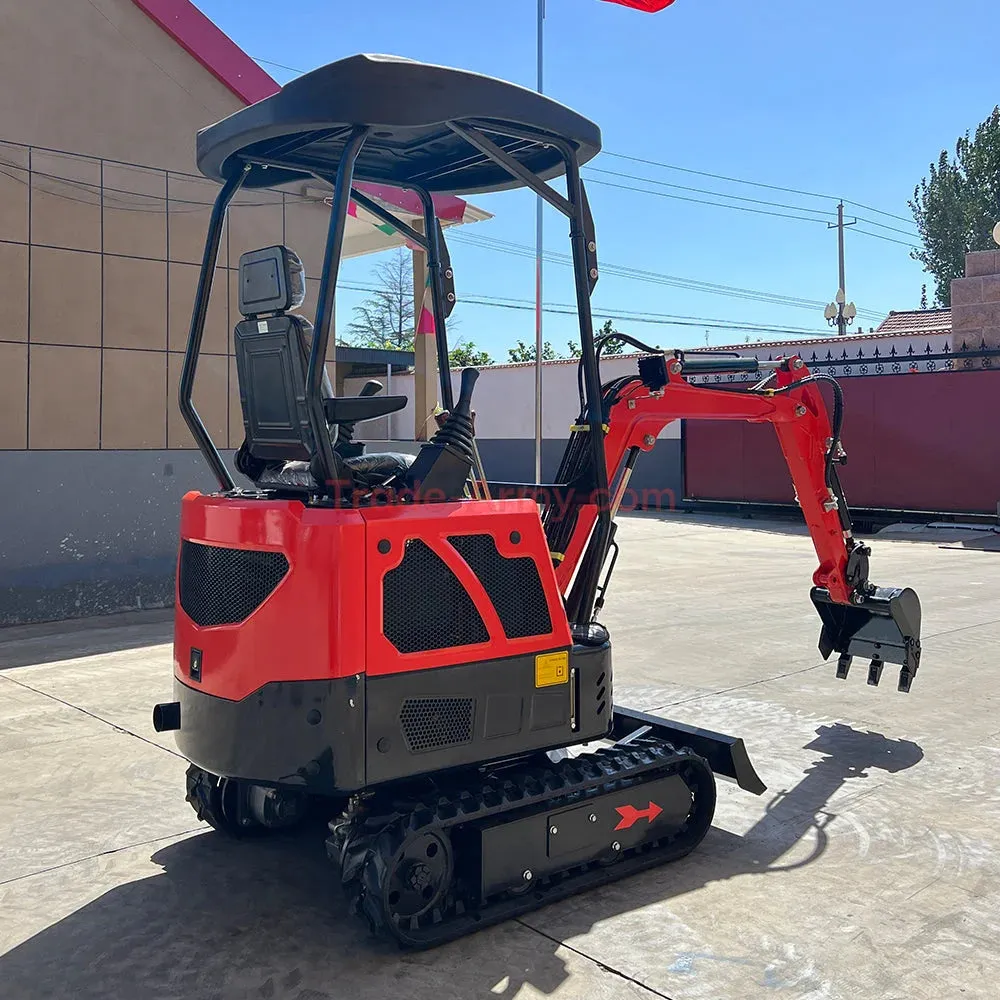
{"points": [[512, 585], [425, 606], [602, 693], [220, 586], [434, 723]]}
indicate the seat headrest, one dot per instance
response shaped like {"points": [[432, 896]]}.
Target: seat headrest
{"points": [[272, 280]]}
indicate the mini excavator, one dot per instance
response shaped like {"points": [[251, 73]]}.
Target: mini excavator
{"points": [[402, 643]]}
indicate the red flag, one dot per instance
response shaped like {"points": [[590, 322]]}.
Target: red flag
{"points": [[649, 6]]}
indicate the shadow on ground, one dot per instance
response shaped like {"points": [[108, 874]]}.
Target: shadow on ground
{"points": [[30, 645], [263, 919]]}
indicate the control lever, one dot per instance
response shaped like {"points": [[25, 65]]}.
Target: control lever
{"points": [[443, 465], [345, 446]]}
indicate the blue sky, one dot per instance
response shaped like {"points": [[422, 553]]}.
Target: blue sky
{"points": [[847, 98]]}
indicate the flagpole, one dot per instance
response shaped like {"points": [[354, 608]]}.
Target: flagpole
{"points": [[539, 47]]}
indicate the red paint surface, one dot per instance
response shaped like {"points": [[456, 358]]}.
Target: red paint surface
{"points": [[629, 815], [325, 617], [914, 442], [800, 423], [447, 207], [433, 523], [646, 6], [212, 47], [311, 626]]}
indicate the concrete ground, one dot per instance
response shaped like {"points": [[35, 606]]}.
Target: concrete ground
{"points": [[868, 870]]}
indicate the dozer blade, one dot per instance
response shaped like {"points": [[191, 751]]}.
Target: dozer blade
{"points": [[885, 627], [726, 755]]}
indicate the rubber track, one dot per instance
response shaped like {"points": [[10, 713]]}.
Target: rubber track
{"points": [[362, 842]]}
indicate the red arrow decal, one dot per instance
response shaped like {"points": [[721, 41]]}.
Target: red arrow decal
{"points": [[629, 815]]}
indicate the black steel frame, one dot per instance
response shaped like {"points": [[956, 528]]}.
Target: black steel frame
{"points": [[574, 206]]}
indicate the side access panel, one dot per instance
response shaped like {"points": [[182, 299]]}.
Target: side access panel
{"points": [[455, 583], [429, 720]]}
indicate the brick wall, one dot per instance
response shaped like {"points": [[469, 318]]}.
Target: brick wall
{"points": [[975, 301]]}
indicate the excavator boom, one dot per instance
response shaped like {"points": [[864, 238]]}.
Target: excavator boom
{"points": [[859, 618]]}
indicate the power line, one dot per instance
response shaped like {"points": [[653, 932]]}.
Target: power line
{"points": [[702, 201], [888, 239], [567, 309], [756, 211], [271, 62], [719, 177], [760, 184], [878, 211], [737, 197], [729, 291], [718, 194], [882, 225]]}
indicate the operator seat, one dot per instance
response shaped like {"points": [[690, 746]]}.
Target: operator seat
{"points": [[273, 346]]}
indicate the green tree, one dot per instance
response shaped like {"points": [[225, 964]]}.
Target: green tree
{"points": [[468, 356], [612, 346], [385, 319], [957, 205], [526, 352]]}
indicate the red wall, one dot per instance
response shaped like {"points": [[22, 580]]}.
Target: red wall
{"points": [[928, 441]]}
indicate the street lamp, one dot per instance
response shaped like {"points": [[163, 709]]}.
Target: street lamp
{"points": [[840, 312]]}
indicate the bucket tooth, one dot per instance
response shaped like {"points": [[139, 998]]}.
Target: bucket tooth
{"points": [[843, 665], [875, 671]]}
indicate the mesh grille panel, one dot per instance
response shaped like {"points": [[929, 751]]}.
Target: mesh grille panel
{"points": [[220, 586], [512, 585], [433, 723], [425, 606]]}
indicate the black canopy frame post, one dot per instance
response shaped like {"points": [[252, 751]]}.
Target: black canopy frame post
{"points": [[574, 206], [388, 217], [325, 306], [185, 389], [436, 278]]}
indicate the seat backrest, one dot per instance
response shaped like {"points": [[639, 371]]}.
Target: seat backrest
{"points": [[272, 358]]}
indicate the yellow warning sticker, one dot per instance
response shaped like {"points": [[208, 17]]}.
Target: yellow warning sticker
{"points": [[552, 668]]}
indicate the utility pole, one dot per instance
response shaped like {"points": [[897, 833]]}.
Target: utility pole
{"points": [[840, 312]]}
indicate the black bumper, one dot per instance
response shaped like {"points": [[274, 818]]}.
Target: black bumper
{"points": [[308, 734], [338, 736]]}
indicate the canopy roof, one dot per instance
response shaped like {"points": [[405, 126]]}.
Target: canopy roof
{"points": [[407, 105]]}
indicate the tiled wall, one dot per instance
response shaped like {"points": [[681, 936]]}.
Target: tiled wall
{"points": [[98, 268], [975, 300]]}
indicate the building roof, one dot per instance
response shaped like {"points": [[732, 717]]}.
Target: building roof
{"points": [[916, 321], [212, 47], [209, 45]]}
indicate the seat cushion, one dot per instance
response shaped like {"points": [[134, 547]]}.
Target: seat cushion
{"points": [[367, 472], [376, 469]]}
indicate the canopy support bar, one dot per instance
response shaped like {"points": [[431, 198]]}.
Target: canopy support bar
{"points": [[325, 305], [513, 166], [186, 387], [386, 216], [434, 238]]}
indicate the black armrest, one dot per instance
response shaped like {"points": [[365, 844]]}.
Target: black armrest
{"points": [[353, 409]]}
